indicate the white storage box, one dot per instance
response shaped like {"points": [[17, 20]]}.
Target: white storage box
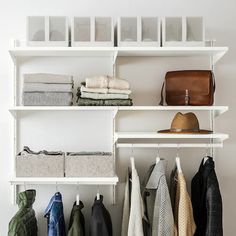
{"points": [[47, 31], [36, 30], [150, 31], [40, 165], [195, 31], [173, 31], [84, 164], [138, 31], [92, 31]]}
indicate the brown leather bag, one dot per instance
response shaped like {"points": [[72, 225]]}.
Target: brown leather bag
{"points": [[190, 87]]}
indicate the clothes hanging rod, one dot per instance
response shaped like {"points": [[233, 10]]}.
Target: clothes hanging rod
{"points": [[169, 145]]}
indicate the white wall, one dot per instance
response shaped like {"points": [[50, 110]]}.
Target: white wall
{"points": [[145, 76]]}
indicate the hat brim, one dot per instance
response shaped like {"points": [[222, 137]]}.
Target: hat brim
{"points": [[168, 131]]}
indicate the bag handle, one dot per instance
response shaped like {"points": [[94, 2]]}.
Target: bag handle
{"points": [[161, 103]]}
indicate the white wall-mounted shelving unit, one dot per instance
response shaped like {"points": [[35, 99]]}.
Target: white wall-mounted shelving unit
{"points": [[214, 54]]}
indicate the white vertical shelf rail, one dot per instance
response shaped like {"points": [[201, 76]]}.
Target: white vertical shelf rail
{"points": [[14, 121], [114, 113], [212, 113]]}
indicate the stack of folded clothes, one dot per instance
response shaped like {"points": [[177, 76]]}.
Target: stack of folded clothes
{"points": [[47, 90], [104, 91]]}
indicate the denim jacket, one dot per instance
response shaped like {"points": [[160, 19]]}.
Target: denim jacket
{"points": [[55, 216]]}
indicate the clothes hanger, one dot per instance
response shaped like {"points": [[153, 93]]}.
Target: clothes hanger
{"points": [[158, 155], [132, 163], [132, 159], [177, 161], [206, 155], [77, 196], [57, 191]]}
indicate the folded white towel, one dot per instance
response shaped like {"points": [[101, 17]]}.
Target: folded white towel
{"points": [[94, 90], [107, 82], [97, 82], [117, 83], [104, 96], [48, 78], [120, 91], [105, 90]]}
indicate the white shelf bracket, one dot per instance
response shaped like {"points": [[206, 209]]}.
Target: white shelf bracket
{"points": [[115, 57], [115, 111], [115, 138], [217, 57], [113, 194], [14, 190]]}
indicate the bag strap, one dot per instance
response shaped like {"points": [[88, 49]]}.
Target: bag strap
{"points": [[161, 103], [214, 81]]}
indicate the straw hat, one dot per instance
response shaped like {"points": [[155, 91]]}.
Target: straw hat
{"points": [[185, 124]]}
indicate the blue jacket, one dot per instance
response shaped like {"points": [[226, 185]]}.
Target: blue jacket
{"points": [[55, 216]]}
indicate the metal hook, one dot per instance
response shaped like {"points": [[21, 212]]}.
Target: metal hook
{"points": [[56, 188], [132, 150], [24, 186], [207, 149]]}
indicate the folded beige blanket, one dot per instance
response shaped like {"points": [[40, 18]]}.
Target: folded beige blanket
{"points": [[105, 90], [97, 82], [107, 82], [48, 78], [117, 83]]}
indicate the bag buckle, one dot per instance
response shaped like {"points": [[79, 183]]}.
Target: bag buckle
{"points": [[186, 98]]}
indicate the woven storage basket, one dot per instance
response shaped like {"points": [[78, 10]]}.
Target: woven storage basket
{"points": [[40, 165], [88, 165]]}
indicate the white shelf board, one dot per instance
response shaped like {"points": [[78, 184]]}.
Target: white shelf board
{"points": [[66, 180], [218, 110], [155, 135], [61, 52], [215, 52]]}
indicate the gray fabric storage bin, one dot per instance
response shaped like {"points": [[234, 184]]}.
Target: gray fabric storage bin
{"points": [[84, 164], [41, 165]]}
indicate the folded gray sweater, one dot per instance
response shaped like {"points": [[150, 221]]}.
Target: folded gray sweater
{"points": [[40, 87], [48, 78], [47, 99]]}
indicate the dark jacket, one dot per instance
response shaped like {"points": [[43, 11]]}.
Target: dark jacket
{"points": [[55, 216], [207, 201], [24, 223], [100, 224], [77, 222]]}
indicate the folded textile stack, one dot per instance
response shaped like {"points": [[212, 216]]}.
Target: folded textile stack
{"points": [[47, 90], [104, 91]]}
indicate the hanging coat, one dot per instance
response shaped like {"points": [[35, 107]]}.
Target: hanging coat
{"points": [[207, 201], [55, 216], [158, 210], [77, 222], [126, 205], [100, 223], [182, 206], [24, 222], [135, 227]]}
